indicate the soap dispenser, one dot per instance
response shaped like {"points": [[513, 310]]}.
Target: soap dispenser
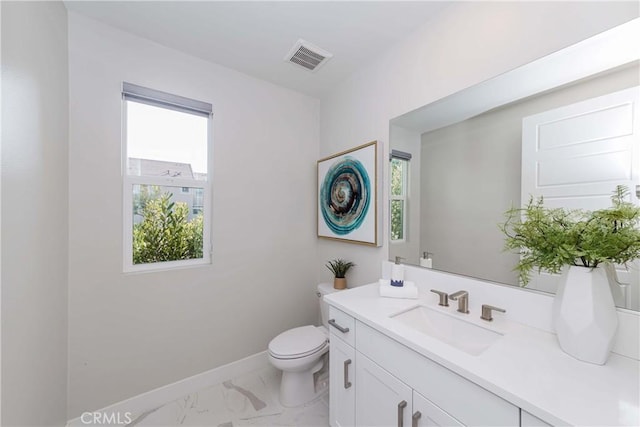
{"points": [[426, 260], [397, 273]]}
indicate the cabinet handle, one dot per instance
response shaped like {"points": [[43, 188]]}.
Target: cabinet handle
{"points": [[414, 419], [347, 383], [333, 323], [401, 407]]}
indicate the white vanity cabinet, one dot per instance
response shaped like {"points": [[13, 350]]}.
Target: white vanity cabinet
{"points": [[342, 362], [522, 379], [456, 396], [376, 381]]}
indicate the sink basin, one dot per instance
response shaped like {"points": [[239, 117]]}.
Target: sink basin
{"points": [[465, 336]]}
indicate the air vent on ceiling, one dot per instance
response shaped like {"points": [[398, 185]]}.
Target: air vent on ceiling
{"points": [[307, 55]]}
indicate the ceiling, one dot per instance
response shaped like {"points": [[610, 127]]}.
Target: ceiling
{"points": [[254, 37]]}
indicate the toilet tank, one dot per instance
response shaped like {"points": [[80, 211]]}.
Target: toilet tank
{"points": [[324, 289]]}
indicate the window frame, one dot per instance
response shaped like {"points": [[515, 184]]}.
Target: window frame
{"points": [[128, 181], [401, 197]]}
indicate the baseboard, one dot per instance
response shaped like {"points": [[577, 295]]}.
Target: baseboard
{"points": [[154, 398]]}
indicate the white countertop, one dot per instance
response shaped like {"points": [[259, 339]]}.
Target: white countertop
{"points": [[525, 367]]}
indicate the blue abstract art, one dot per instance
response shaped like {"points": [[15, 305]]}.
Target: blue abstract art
{"points": [[347, 195]]}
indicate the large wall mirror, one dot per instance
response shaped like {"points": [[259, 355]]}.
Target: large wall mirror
{"points": [[459, 163]]}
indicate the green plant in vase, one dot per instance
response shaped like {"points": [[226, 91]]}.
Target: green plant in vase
{"points": [[579, 244], [339, 268]]}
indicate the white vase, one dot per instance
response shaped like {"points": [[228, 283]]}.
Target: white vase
{"points": [[584, 314]]}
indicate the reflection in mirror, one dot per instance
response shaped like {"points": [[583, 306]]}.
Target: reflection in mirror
{"points": [[399, 168], [468, 167]]}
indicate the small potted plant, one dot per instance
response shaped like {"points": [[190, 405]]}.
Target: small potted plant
{"points": [[582, 246], [339, 268]]}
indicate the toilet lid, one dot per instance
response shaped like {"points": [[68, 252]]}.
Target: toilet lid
{"points": [[297, 342]]}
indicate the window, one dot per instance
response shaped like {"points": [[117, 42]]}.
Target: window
{"points": [[166, 178], [398, 195], [198, 201]]}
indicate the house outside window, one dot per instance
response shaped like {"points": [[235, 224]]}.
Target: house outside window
{"points": [[167, 190], [198, 201]]}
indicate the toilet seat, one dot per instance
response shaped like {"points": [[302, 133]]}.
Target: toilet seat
{"points": [[298, 342]]}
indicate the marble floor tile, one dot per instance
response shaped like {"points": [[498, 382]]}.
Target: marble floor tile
{"points": [[247, 400]]}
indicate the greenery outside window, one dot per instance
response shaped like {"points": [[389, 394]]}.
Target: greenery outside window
{"points": [[398, 199], [167, 190]]}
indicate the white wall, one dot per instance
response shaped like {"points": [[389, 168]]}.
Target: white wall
{"points": [[34, 213], [464, 45], [130, 333]]}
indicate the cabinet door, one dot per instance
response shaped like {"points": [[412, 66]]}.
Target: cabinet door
{"points": [[342, 382], [381, 398], [426, 414]]}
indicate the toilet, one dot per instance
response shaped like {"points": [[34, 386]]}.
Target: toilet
{"points": [[300, 353]]}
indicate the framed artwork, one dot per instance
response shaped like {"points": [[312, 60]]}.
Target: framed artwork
{"points": [[348, 196]]}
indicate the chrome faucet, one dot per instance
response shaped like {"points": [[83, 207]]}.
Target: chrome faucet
{"points": [[463, 300]]}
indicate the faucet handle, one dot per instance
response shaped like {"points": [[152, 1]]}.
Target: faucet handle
{"points": [[488, 309], [444, 297]]}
